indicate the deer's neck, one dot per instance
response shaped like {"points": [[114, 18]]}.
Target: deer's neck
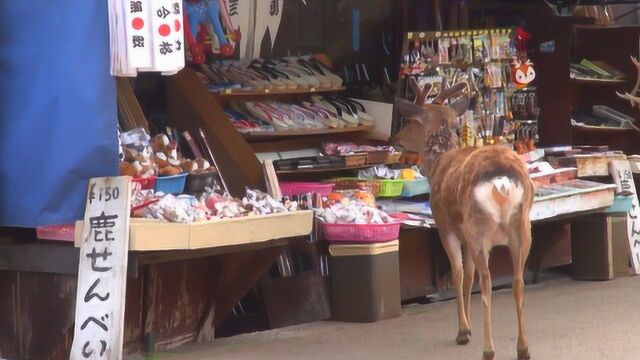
{"points": [[436, 144]]}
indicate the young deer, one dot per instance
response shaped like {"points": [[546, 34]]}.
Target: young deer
{"points": [[481, 198]]}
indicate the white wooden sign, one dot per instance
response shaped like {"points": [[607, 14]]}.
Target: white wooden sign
{"points": [[168, 35], [102, 273], [146, 35], [623, 177], [138, 33]]}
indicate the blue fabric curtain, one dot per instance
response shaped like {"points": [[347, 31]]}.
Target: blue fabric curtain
{"points": [[58, 115]]}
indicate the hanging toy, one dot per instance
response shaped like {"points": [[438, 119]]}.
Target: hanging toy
{"points": [[522, 74], [466, 135], [198, 16]]}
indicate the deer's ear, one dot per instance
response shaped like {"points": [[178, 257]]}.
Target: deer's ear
{"points": [[409, 110], [460, 106]]}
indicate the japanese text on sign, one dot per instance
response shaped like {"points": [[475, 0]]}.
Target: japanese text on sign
{"points": [[623, 177], [146, 36], [102, 271]]}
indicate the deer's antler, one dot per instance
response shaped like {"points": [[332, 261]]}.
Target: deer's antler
{"points": [[447, 92], [635, 61], [421, 92], [633, 95]]}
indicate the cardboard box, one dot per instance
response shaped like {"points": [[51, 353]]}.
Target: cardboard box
{"points": [[152, 235]]}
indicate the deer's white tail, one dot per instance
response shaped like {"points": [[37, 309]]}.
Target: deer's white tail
{"points": [[499, 197]]}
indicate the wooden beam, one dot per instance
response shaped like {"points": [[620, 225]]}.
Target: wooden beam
{"points": [[239, 272], [129, 106], [47, 258], [156, 257], [191, 106]]}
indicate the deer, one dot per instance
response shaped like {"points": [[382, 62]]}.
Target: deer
{"points": [[481, 197]]}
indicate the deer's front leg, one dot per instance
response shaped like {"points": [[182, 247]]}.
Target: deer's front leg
{"points": [[469, 273], [453, 249]]}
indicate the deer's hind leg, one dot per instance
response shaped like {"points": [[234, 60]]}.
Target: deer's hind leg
{"points": [[453, 248], [519, 246], [482, 262], [478, 243], [469, 274]]}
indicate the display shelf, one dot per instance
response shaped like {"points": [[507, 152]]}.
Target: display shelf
{"points": [[599, 196], [154, 235], [239, 95], [553, 176], [589, 81], [303, 132], [332, 169], [321, 170], [605, 129]]}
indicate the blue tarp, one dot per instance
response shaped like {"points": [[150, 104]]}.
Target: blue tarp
{"points": [[58, 115]]}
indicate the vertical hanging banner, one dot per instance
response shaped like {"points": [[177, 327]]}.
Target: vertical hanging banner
{"points": [[138, 33], [102, 272], [623, 177], [168, 35], [146, 35]]}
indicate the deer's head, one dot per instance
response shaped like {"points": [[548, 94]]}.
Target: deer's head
{"points": [[429, 128]]}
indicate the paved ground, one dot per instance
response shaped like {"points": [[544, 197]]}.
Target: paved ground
{"points": [[565, 320]]}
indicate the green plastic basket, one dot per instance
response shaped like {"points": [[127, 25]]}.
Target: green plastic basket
{"points": [[390, 188]]}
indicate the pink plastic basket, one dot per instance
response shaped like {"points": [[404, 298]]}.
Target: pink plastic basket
{"points": [[301, 188], [65, 232], [370, 233]]}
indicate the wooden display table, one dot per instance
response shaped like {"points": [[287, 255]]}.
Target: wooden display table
{"points": [[156, 235], [178, 289], [424, 267]]}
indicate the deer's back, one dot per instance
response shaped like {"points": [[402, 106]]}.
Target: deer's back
{"points": [[458, 175]]}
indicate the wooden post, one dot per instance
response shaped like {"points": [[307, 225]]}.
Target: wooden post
{"points": [[102, 270]]}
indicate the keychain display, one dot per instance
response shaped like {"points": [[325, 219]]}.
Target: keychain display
{"points": [[494, 64], [522, 72]]}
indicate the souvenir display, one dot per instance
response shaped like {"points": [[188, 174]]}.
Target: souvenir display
{"points": [[346, 148], [144, 157], [274, 75], [335, 171], [351, 208], [495, 68], [206, 207], [315, 112]]}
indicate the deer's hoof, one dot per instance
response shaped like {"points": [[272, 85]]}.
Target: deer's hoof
{"points": [[488, 355], [463, 338], [524, 354]]}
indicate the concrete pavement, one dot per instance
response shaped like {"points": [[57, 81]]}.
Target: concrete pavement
{"points": [[565, 320]]}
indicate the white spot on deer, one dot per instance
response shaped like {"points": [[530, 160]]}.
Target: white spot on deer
{"points": [[499, 197]]}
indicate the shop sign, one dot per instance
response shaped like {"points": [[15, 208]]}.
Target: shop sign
{"points": [[104, 246], [146, 35], [623, 177]]}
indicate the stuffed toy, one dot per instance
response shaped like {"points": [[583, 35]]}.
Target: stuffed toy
{"points": [[199, 15]]}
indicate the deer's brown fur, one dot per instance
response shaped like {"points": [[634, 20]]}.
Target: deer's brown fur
{"points": [[481, 198]]}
